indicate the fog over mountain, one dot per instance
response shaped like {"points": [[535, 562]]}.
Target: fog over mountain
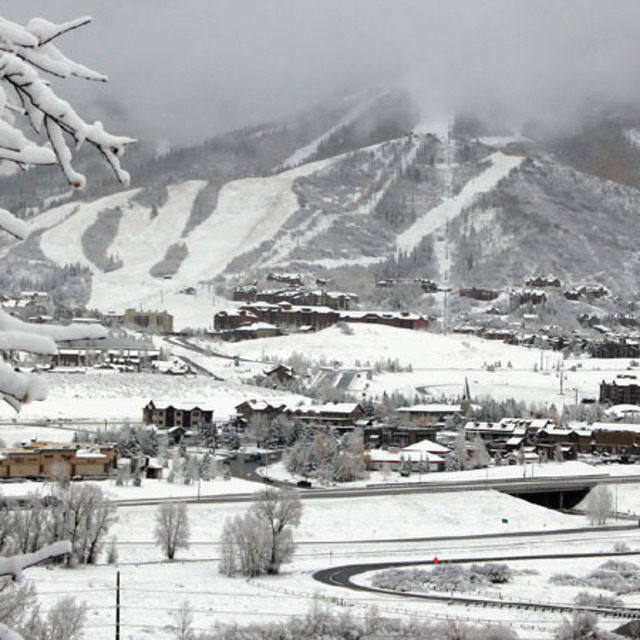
{"points": [[186, 71]]}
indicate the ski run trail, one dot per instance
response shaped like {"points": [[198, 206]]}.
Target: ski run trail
{"points": [[437, 218]]}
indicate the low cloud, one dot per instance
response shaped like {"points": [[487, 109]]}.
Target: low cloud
{"points": [[188, 70]]}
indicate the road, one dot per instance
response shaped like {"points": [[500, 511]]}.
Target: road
{"points": [[247, 470], [343, 576]]}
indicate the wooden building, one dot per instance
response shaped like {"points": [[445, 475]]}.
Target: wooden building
{"points": [[620, 391], [52, 459], [167, 413]]}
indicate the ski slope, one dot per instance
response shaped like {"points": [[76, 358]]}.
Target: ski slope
{"points": [[450, 208], [248, 212], [142, 241], [64, 226]]}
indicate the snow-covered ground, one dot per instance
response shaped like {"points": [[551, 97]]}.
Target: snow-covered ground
{"points": [[434, 367], [440, 364], [332, 530]]}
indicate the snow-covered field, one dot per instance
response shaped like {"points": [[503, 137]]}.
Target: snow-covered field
{"points": [[435, 367], [440, 364], [332, 530]]}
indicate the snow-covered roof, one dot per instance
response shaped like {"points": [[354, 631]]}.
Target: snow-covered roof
{"points": [[607, 426], [406, 315], [431, 408], [381, 455], [257, 326], [622, 410], [331, 407], [262, 405], [90, 453], [427, 445], [185, 405], [624, 382]]}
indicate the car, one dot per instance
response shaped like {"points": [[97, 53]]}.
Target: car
{"points": [[304, 484]]}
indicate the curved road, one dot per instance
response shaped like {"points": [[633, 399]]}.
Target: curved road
{"points": [[343, 577]]}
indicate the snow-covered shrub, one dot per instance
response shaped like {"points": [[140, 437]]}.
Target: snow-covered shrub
{"points": [[613, 575], [583, 624], [496, 573], [443, 577], [585, 599], [327, 623]]}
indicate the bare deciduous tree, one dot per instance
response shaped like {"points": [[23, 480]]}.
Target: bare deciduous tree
{"points": [[83, 516], [172, 528], [29, 526], [15, 599], [183, 622], [279, 511], [66, 619], [599, 504], [261, 540]]}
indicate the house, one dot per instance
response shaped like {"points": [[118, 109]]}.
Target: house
{"points": [[229, 320], [616, 438], [154, 321], [528, 296], [429, 413], [614, 348], [167, 413], [422, 457], [286, 278], [281, 373], [508, 434], [335, 414], [51, 459], [620, 391], [290, 316], [76, 357], [254, 331], [428, 446], [341, 415], [525, 455], [477, 293], [401, 319], [132, 359], [390, 435], [250, 409], [543, 281]]}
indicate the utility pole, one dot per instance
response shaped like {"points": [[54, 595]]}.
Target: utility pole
{"points": [[117, 605]]}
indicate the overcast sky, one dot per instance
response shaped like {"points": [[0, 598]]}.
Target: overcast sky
{"points": [[187, 69]]}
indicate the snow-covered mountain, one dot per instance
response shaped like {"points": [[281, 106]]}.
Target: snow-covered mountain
{"points": [[363, 190]]}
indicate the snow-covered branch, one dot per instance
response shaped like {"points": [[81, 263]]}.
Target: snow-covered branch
{"points": [[15, 565], [41, 338], [26, 52]]}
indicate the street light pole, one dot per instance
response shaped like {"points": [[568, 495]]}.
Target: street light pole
{"points": [[117, 605]]}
